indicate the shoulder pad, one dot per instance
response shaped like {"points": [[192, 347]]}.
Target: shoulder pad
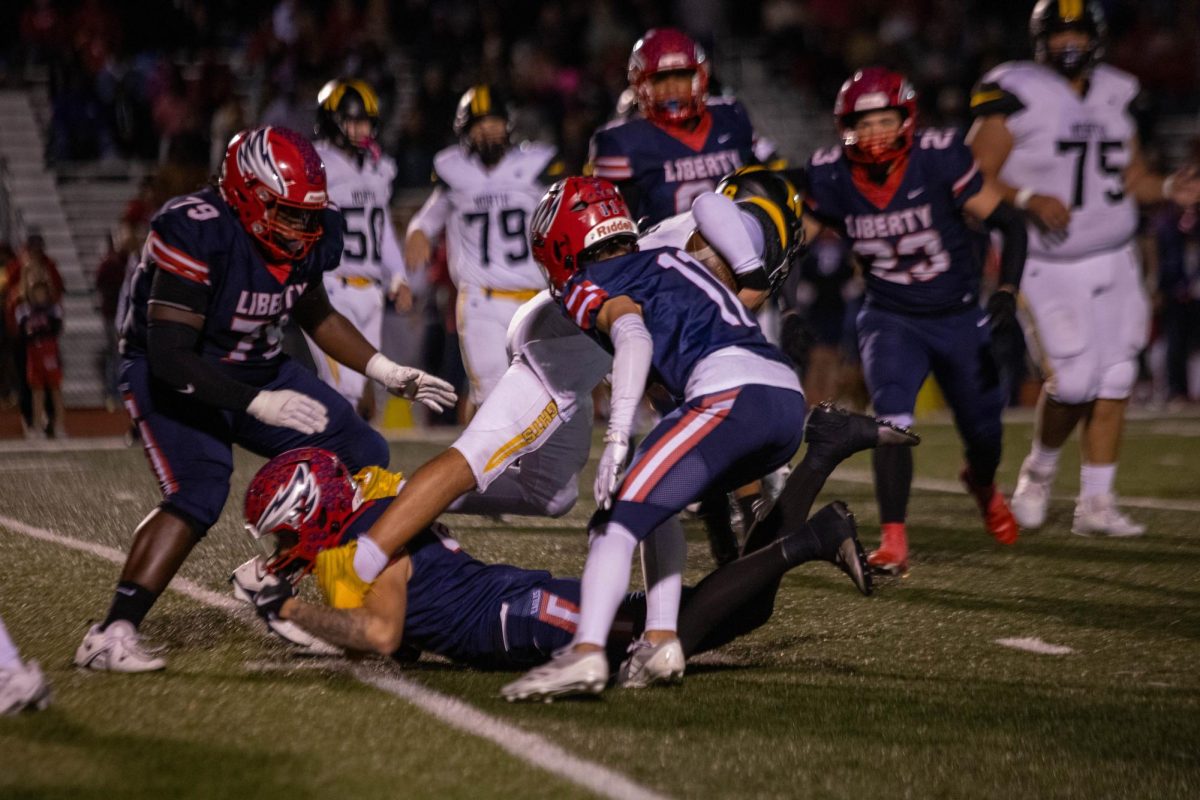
{"points": [[1117, 82], [185, 230], [447, 164], [989, 97]]}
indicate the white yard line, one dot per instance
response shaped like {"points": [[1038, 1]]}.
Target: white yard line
{"points": [[954, 487], [525, 746], [1032, 644]]}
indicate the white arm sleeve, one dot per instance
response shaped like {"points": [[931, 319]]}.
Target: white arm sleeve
{"points": [[392, 257], [735, 236], [431, 218], [632, 351]]}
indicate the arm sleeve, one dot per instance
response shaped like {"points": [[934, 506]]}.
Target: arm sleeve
{"points": [[1011, 224], [632, 351], [431, 218], [606, 160], [720, 223], [393, 257]]}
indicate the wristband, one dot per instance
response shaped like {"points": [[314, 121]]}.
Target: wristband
{"points": [[1168, 186], [1021, 201]]}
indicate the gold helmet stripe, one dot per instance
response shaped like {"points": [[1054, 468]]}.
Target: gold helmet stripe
{"points": [[775, 214], [1070, 10]]}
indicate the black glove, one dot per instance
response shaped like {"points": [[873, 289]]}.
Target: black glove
{"points": [[1007, 340], [269, 600], [1002, 308]]}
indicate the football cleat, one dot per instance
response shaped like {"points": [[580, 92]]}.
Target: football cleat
{"points": [[117, 648], [249, 579], [1031, 498], [1098, 515], [569, 673], [651, 664], [24, 688], [841, 433], [834, 526], [997, 518], [891, 557]]}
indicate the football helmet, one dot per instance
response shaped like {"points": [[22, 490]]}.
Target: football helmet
{"points": [[480, 101], [876, 89], [772, 199], [341, 101], [275, 181], [298, 504], [1054, 16], [663, 50], [575, 216]]}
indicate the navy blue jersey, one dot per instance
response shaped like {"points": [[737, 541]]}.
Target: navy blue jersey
{"points": [[688, 312], [918, 253], [454, 600], [199, 238], [670, 169]]}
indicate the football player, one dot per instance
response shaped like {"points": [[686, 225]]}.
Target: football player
{"points": [[682, 141], [23, 687], [222, 271], [1058, 135], [359, 182], [899, 195], [485, 189], [436, 598]]}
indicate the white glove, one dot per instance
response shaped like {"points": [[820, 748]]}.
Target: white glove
{"points": [[612, 464], [411, 383], [289, 409]]}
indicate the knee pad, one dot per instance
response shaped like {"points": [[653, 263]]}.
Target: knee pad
{"points": [[1116, 383], [563, 500], [1072, 383]]}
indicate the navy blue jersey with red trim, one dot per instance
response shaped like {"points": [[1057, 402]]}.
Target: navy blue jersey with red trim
{"points": [[454, 600], [199, 238], [688, 312], [669, 169], [917, 251]]}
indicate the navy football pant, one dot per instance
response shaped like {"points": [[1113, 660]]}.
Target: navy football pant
{"points": [[899, 351], [190, 444], [717, 441]]}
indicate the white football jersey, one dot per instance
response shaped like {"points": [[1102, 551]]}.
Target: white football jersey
{"points": [[485, 214], [370, 249], [1073, 148]]}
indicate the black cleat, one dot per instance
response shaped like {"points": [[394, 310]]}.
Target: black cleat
{"points": [[839, 433], [834, 525]]}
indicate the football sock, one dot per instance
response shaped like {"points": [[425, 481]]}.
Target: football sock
{"points": [[982, 460], [714, 513], [369, 560], [1096, 479], [791, 509], [131, 602], [9, 657], [1044, 460], [893, 468], [605, 580], [664, 553]]}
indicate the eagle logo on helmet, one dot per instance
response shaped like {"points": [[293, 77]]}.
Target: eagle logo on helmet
{"points": [[294, 503]]}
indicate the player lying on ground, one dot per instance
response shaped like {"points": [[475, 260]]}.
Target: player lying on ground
{"points": [[436, 598]]}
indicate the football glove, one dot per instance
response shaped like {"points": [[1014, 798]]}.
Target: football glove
{"points": [[339, 583], [287, 409], [612, 464], [411, 383]]}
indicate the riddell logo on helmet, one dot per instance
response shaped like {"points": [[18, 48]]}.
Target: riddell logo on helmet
{"points": [[315, 197], [871, 101], [610, 228]]}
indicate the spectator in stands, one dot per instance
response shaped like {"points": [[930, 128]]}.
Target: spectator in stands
{"points": [[1178, 239], [9, 384], [31, 266], [39, 323]]}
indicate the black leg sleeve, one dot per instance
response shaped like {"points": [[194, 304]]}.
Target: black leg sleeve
{"points": [[722, 540], [893, 481], [790, 511]]}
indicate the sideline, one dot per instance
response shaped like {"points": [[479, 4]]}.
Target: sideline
{"points": [[521, 744]]}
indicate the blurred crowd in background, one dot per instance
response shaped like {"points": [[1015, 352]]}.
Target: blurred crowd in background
{"points": [[169, 83]]}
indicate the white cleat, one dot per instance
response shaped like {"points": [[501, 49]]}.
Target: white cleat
{"points": [[651, 664], [23, 689], [568, 673], [1099, 516], [118, 648], [253, 577], [1031, 497]]}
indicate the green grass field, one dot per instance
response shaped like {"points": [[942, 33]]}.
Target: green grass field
{"points": [[905, 694]]}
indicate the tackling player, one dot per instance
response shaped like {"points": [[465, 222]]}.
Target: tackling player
{"points": [[899, 195], [682, 142], [1059, 137], [222, 271], [359, 181], [435, 597], [485, 189]]}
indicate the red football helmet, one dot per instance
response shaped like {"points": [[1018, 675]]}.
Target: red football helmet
{"points": [[275, 181], [668, 50], [574, 216], [876, 89], [297, 505]]}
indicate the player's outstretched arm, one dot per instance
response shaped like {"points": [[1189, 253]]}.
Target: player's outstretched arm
{"points": [[991, 141], [376, 627], [621, 318], [1147, 186]]}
